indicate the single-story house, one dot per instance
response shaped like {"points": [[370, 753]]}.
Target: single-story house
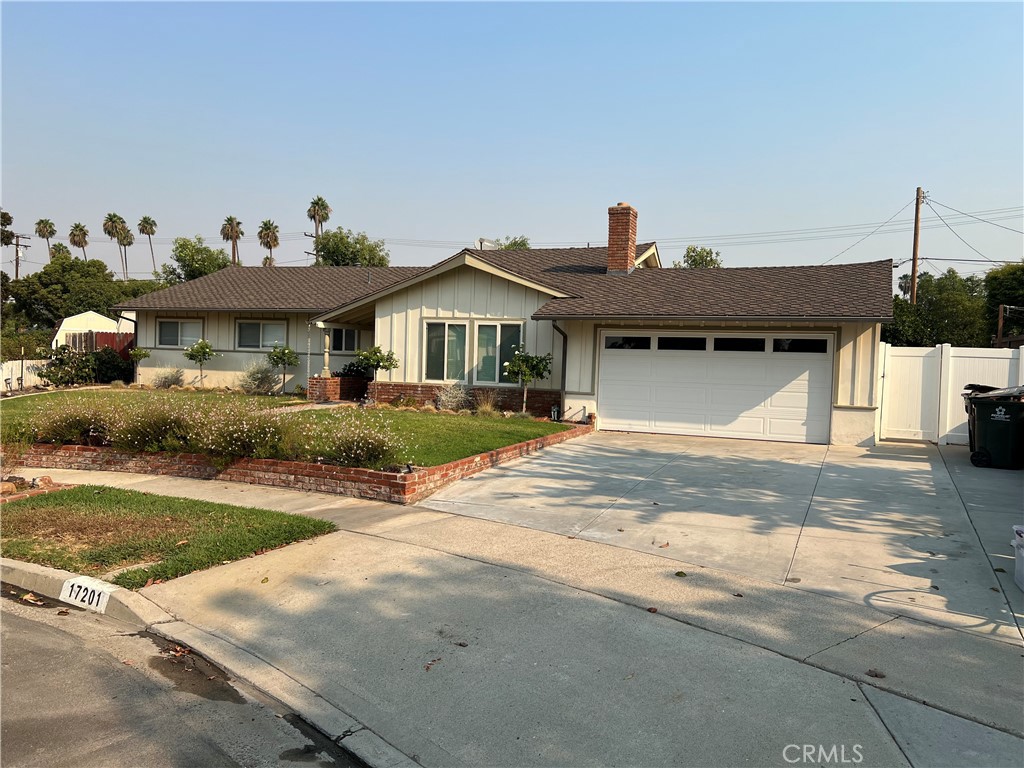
{"points": [[771, 353]]}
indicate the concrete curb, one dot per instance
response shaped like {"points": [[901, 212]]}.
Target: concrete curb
{"points": [[140, 611]]}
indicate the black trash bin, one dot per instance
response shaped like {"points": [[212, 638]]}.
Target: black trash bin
{"points": [[969, 391], [998, 418]]}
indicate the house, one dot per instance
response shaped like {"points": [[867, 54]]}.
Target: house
{"points": [[772, 353], [90, 322]]}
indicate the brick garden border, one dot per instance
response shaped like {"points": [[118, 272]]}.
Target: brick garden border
{"points": [[404, 488]]}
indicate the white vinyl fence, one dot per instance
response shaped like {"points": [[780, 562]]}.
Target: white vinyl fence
{"points": [[12, 369], [921, 388]]}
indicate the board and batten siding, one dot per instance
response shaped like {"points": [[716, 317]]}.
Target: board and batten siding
{"points": [[219, 328], [465, 294]]}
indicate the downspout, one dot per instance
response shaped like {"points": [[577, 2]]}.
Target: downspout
{"points": [[565, 352]]}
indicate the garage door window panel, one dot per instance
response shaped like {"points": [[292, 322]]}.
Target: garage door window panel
{"points": [[739, 344], [627, 342], [803, 346], [682, 343]]}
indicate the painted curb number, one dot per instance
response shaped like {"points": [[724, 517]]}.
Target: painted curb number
{"points": [[87, 592]]}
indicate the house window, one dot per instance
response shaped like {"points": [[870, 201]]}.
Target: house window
{"points": [[446, 352], [627, 342], [683, 343], [496, 345], [819, 346], [344, 339], [178, 333], [738, 344], [258, 334]]}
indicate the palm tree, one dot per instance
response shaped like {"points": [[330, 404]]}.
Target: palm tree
{"points": [[319, 212], [79, 237], [269, 239], [904, 285], [231, 230], [46, 230], [113, 225], [147, 227], [59, 249], [125, 239]]}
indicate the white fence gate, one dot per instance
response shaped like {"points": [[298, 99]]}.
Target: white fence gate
{"points": [[921, 388]]}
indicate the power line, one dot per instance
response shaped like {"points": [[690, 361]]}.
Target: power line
{"points": [[926, 202], [869, 234], [1011, 229]]}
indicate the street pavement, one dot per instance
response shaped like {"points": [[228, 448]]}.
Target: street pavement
{"points": [[464, 641], [82, 690]]}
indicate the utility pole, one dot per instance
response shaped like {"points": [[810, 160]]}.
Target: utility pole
{"points": [[917, 240], [999, 327], [17, 252], [308, 253]]}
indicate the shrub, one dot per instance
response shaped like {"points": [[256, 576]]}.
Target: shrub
{"points": [[73, 422], [67, 368], [259, 378], [283, 357], [118, 384], [369, 361], [238, 429], [150, 426], [451, 397], [465, 412], [356, 438], [404, 401], [168, 377], [109, 366]]}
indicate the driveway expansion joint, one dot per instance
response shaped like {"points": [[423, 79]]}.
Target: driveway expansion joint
{"points": [[807, 659], [888, 730]]}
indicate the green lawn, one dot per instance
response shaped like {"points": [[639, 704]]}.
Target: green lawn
{"points": [[437, 438], [94, 530], [18, 409]]}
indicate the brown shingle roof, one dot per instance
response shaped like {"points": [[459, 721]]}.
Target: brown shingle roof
{"points": [[290, 289], [842, 291], [559, 268]]}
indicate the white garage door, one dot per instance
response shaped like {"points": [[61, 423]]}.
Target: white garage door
{"points": [[758, 386]]}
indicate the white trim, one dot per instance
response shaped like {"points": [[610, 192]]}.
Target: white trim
{"points": [[465, 323], [476, 353], [179, 320], [261, 322]]}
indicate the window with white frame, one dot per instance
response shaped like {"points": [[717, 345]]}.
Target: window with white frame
{"points": [[260, 334], [496, 345], [446, 352], [344, 339], [178, 333]]}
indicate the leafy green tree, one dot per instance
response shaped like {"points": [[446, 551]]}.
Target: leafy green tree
{"points": [[147, 227], [269, 237], [59, 249], [282, 357], [319, 212], [1005, 285], [513, 243], [192, 259], [950, 309], [699, 258], [344, 248], [68, 367], [137, 355], [6, 233], [45, 230], [79, 237], [200, 353], [231, 232], [528, 368], [369, 361], [67, 286]]}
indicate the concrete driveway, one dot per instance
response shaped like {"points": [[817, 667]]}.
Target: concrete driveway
{"points": [[900, 527]]}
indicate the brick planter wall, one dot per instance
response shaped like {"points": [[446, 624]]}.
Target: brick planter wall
{"points": [[352, 387], [405, 488], [319, 389], [538, 401]]}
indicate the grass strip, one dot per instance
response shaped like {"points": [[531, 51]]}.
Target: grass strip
{"points": [[93, 530]]}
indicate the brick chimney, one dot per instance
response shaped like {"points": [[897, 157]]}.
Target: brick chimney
{"points": [[621, 239]]}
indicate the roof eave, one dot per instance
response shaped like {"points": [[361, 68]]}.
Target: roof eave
{"points": [[715, 318]]}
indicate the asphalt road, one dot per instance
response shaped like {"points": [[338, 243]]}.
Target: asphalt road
{"points": [[83, 690]]}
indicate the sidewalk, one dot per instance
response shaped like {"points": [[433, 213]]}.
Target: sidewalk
{"points": [[464, 641]]}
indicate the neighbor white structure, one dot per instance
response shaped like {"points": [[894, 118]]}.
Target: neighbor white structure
{"points": [[84, 322]]}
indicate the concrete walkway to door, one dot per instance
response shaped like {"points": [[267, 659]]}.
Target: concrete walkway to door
{"points": [[899, 527]]}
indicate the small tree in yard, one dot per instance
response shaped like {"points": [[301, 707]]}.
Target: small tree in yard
{"points": [[528, 369], [200, 353], [369, 361], [137, 355], [282, 357]]}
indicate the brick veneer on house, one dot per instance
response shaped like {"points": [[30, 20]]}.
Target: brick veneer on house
{"points": [[538, 401], [406, 488]]}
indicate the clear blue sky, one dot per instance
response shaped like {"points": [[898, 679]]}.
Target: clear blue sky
{"points": [[447, 122]]}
